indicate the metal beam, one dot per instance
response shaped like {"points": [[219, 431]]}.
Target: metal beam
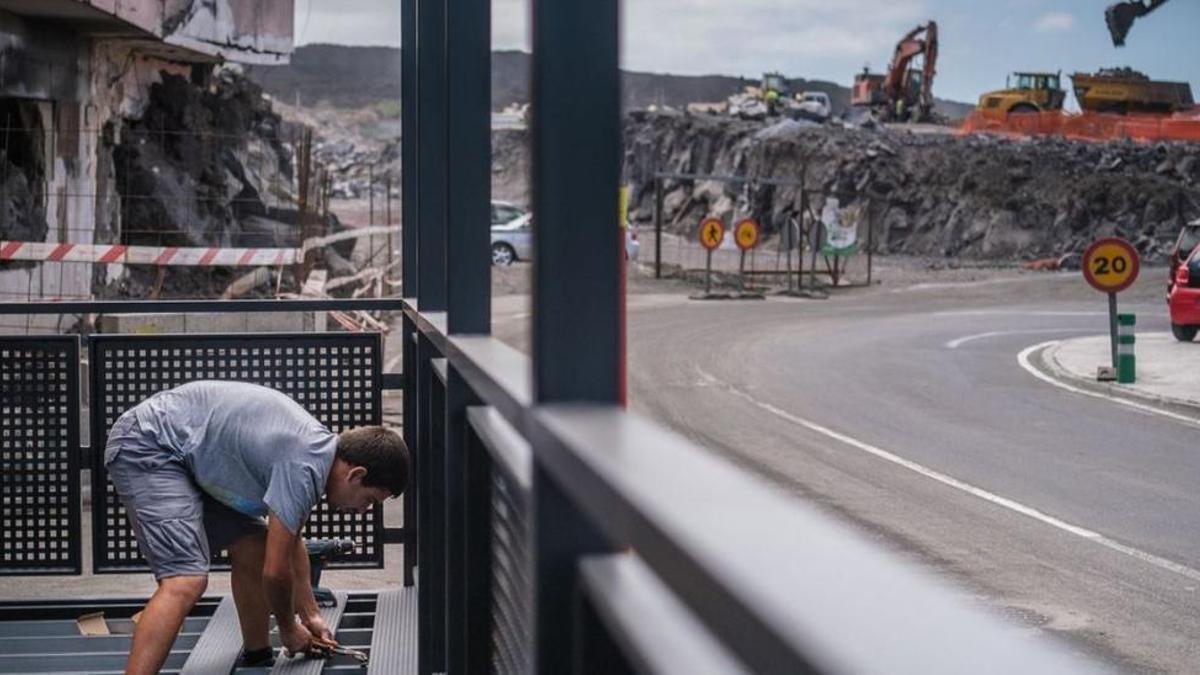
{"points": [[578, 248], [409, 133], [431, 154], [576, 107], [469, 166], [198, 306]]}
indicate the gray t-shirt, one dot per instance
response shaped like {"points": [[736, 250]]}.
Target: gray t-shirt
{"points": [[249, 447]]}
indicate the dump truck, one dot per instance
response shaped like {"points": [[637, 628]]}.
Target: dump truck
{"points": [[1124, 90], [1032, 93]]}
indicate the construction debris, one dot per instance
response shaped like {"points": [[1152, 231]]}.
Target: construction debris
{"points": [[976, 197]]}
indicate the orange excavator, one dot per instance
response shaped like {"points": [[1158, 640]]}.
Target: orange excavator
{"points": [[905, 93], [1120, 17]]}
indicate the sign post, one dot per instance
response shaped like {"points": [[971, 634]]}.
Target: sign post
{"points": [[712, 233], [745, 234], [1111, 265]]}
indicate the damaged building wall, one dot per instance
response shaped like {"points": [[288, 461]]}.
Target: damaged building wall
{"points": [[86, 115], [244, 31], [46, 162]]}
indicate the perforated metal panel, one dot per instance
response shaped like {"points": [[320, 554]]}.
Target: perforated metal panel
{"points": [[512, 570], [335, 376], [39, 457]]}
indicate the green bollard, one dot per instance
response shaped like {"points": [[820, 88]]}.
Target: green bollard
{"points": [[1126, 361]]}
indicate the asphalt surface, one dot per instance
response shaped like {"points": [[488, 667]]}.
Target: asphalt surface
{"points": [[906, 413]]}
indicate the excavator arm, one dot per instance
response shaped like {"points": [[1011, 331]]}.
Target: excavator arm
{"points": [[920, 41], [1120, 17]]}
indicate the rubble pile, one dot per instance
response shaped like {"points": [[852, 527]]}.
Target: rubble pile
{"points": [[205, 164], [975, 197]]}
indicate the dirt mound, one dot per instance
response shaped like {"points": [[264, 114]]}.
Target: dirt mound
{"points": [[975, 197]]}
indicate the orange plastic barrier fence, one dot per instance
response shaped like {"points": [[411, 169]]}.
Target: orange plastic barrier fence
{"points": [[1088, 126]]}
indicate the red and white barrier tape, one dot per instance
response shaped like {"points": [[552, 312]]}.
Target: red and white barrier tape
{"points": [[175, 255]]}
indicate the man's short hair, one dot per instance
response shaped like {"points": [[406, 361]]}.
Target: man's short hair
{"points": [[381, 452]]}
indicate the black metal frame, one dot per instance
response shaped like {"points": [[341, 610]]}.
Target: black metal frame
{"points": [[622, 514], [48, 476], [728, 571], [264, 349]]}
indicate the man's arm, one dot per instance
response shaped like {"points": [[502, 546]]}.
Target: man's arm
{"points": [[302, 594], [278, 576]]}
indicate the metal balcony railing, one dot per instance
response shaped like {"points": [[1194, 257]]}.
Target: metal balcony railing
{"points": [[556, 532]]}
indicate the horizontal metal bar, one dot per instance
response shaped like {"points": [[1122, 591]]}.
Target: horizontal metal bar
{"points": [[511, 452], [393, 535], [393, 381], [58, 629], [197, 306], [785, 587], [656, 632], [498, 374], [75, 644]]}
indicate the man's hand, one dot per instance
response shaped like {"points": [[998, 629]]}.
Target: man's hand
{"points": [[296, 638], [318, 628]]}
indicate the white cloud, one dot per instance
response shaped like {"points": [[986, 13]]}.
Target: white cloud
{"points": [[1055, 22]]}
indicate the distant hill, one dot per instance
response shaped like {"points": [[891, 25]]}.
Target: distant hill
{"points": [[355, 77]]}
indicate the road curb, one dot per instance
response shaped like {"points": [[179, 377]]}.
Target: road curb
{"points": [[1044, 360]]}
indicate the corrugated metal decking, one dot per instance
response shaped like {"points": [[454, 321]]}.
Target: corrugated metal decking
{"points": [[394, 639], [217, 650]]}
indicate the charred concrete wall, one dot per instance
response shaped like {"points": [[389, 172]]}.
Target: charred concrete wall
{"points": [[71, 91], [244, 31]]}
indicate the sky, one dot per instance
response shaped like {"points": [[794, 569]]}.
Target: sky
{"points": [[981, 40]]}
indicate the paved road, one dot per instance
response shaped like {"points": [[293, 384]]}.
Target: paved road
{"points": [[907, 414]]}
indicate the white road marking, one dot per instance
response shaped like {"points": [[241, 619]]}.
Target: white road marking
{"points": [[1023, 359], [962, 486], [955, 344]]}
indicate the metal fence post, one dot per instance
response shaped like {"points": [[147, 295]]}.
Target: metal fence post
{"points": [[431, 156], [468, 279], [576, 317], [408, 151], [431, 656], [658, 225], [408, 339]]}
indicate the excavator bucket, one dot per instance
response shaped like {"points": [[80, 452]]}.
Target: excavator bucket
{"points": [[1120, 18]]}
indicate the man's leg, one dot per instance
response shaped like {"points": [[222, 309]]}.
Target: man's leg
{"points": [[254, 613], [161, 621]]}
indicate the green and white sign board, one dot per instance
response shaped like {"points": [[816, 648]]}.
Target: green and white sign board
{"points": [[841, 232]]}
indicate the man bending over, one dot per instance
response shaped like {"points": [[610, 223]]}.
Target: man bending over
{"points": [[228, 465]]}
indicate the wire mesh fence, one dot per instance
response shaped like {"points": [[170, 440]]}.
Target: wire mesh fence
{"points": [[806, 236]]}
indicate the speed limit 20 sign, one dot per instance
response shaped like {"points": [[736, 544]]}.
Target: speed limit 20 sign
{"points": [[1111, 265]]}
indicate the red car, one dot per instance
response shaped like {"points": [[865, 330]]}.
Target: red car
{"points": [[1184, 298]]}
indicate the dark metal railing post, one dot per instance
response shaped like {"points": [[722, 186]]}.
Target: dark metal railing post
{"points": [[431, 155], [468, 282], [577, 242], [408, 147], [477, 556], [431, 297], [408, 263], [408, 339]]}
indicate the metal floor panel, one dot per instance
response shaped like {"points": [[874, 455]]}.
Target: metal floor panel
{"points": [[44, 637], [217, 650], [394, 640], [332, 616]]}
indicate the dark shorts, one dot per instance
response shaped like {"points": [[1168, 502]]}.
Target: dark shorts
{"points": [[177, 525]]}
